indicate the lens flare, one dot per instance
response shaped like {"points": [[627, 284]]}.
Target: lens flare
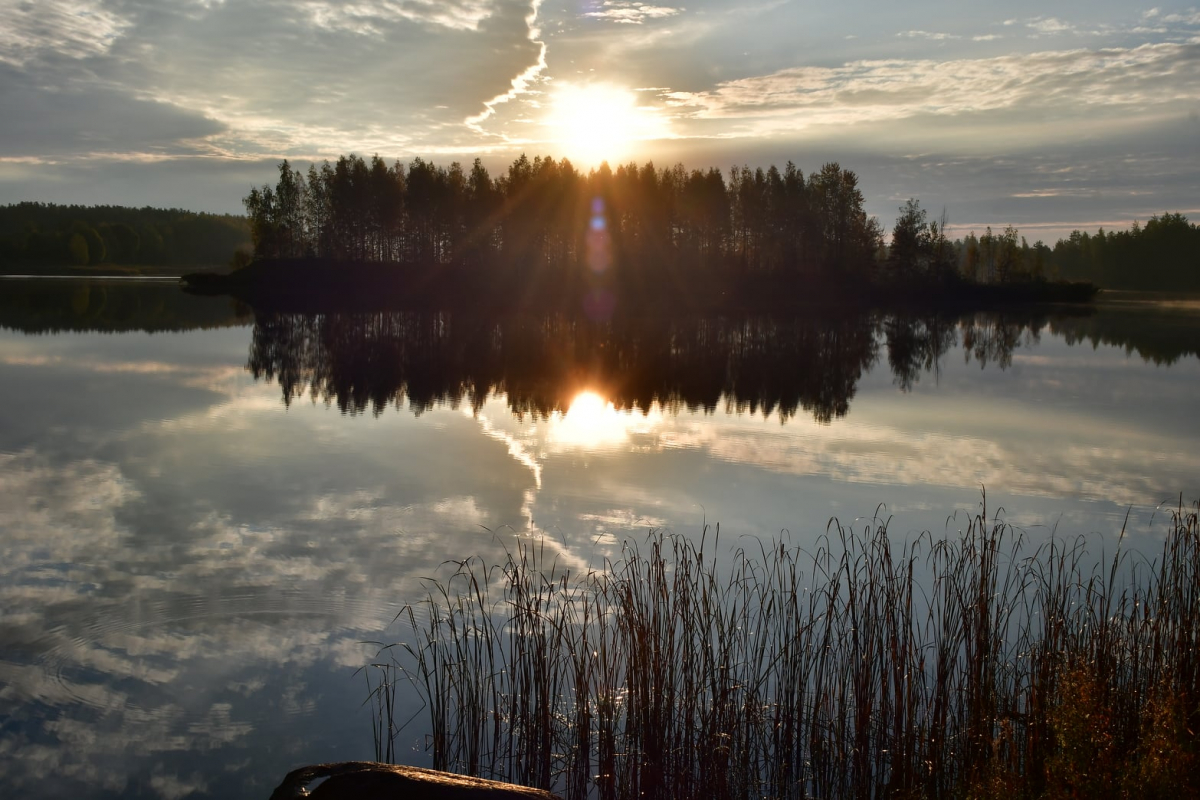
{"points": [[599, 242], [599, 303]]}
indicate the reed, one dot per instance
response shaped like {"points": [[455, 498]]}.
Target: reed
{"points": [[864, 668]]}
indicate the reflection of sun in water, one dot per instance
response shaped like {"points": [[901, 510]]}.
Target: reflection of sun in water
{"points": [[593, 423], [599, 122]]}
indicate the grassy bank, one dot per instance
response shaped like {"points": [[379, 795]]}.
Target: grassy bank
{"points": [[964, 667]]}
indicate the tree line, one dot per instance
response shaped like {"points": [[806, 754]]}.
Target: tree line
{"points": [[544, 213], [59, 235], [1163, 254]]}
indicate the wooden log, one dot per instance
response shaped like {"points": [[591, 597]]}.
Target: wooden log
{"points": [[369, 780]]}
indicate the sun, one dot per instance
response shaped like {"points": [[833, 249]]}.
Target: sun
{"points": [[600, 122]]}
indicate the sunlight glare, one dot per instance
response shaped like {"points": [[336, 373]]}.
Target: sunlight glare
{"points": [[599, 122], [593, 423]]}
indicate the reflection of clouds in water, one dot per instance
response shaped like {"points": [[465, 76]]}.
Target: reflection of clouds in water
{"points": [[1082, 361], [94, 747], [559, 553], [236, 416], [609, 528], [622, 518], [32, 360], [171, 787], [522, 455], [218, 378], [97, 751], [37, 498], [531, 446], [94, 600], [33, 682], [516, 448], [1033, 455]]}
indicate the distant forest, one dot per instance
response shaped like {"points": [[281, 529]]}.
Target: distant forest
{"points": [[1162, 254], [544, 216], [46, 234]]}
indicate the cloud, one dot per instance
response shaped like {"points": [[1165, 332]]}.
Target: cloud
{"points": [[631, 13], [94, 120], [372, 18], [1049, 26], [1190, 17], [75, 29], [262, 79], [523, 82], [937, 37], [1140, 80]]}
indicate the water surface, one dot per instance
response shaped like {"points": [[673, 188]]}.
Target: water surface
{"points": [[204, 512]]}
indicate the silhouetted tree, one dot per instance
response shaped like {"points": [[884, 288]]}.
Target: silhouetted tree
{"points": [[848, 237], [911, 248]]}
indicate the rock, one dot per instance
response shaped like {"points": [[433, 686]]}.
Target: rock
{"points": [[369, 780]]}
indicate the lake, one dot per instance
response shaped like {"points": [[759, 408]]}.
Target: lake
{"points": [[206, 511]]}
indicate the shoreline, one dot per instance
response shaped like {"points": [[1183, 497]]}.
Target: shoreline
{"points": [[131, 271], [322, 285], [135, 278]]}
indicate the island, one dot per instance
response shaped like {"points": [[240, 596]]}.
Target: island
{"points": [[639, 238]]}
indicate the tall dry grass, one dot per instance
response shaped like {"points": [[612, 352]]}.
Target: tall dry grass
{"points": [[865, 668]]}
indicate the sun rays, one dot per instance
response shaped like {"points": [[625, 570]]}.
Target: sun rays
{"points": [[597, 122]]}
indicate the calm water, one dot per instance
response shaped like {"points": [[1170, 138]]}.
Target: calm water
{"points": [[204, 513]]}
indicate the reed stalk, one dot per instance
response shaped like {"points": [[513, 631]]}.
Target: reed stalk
{"points": [[975, 666]]}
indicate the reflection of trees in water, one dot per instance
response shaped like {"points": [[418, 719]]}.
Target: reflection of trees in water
{"points": [[361, 361], [59, 306], [1157, 334], [812, 364], [991, 338], [745, 364], [1160, 334], [916, 345]]}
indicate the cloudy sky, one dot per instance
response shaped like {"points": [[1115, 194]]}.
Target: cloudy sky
{"points": [[1047, 115]]}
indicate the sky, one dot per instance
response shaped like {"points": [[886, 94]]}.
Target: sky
{"points": [[1045, 115]]}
